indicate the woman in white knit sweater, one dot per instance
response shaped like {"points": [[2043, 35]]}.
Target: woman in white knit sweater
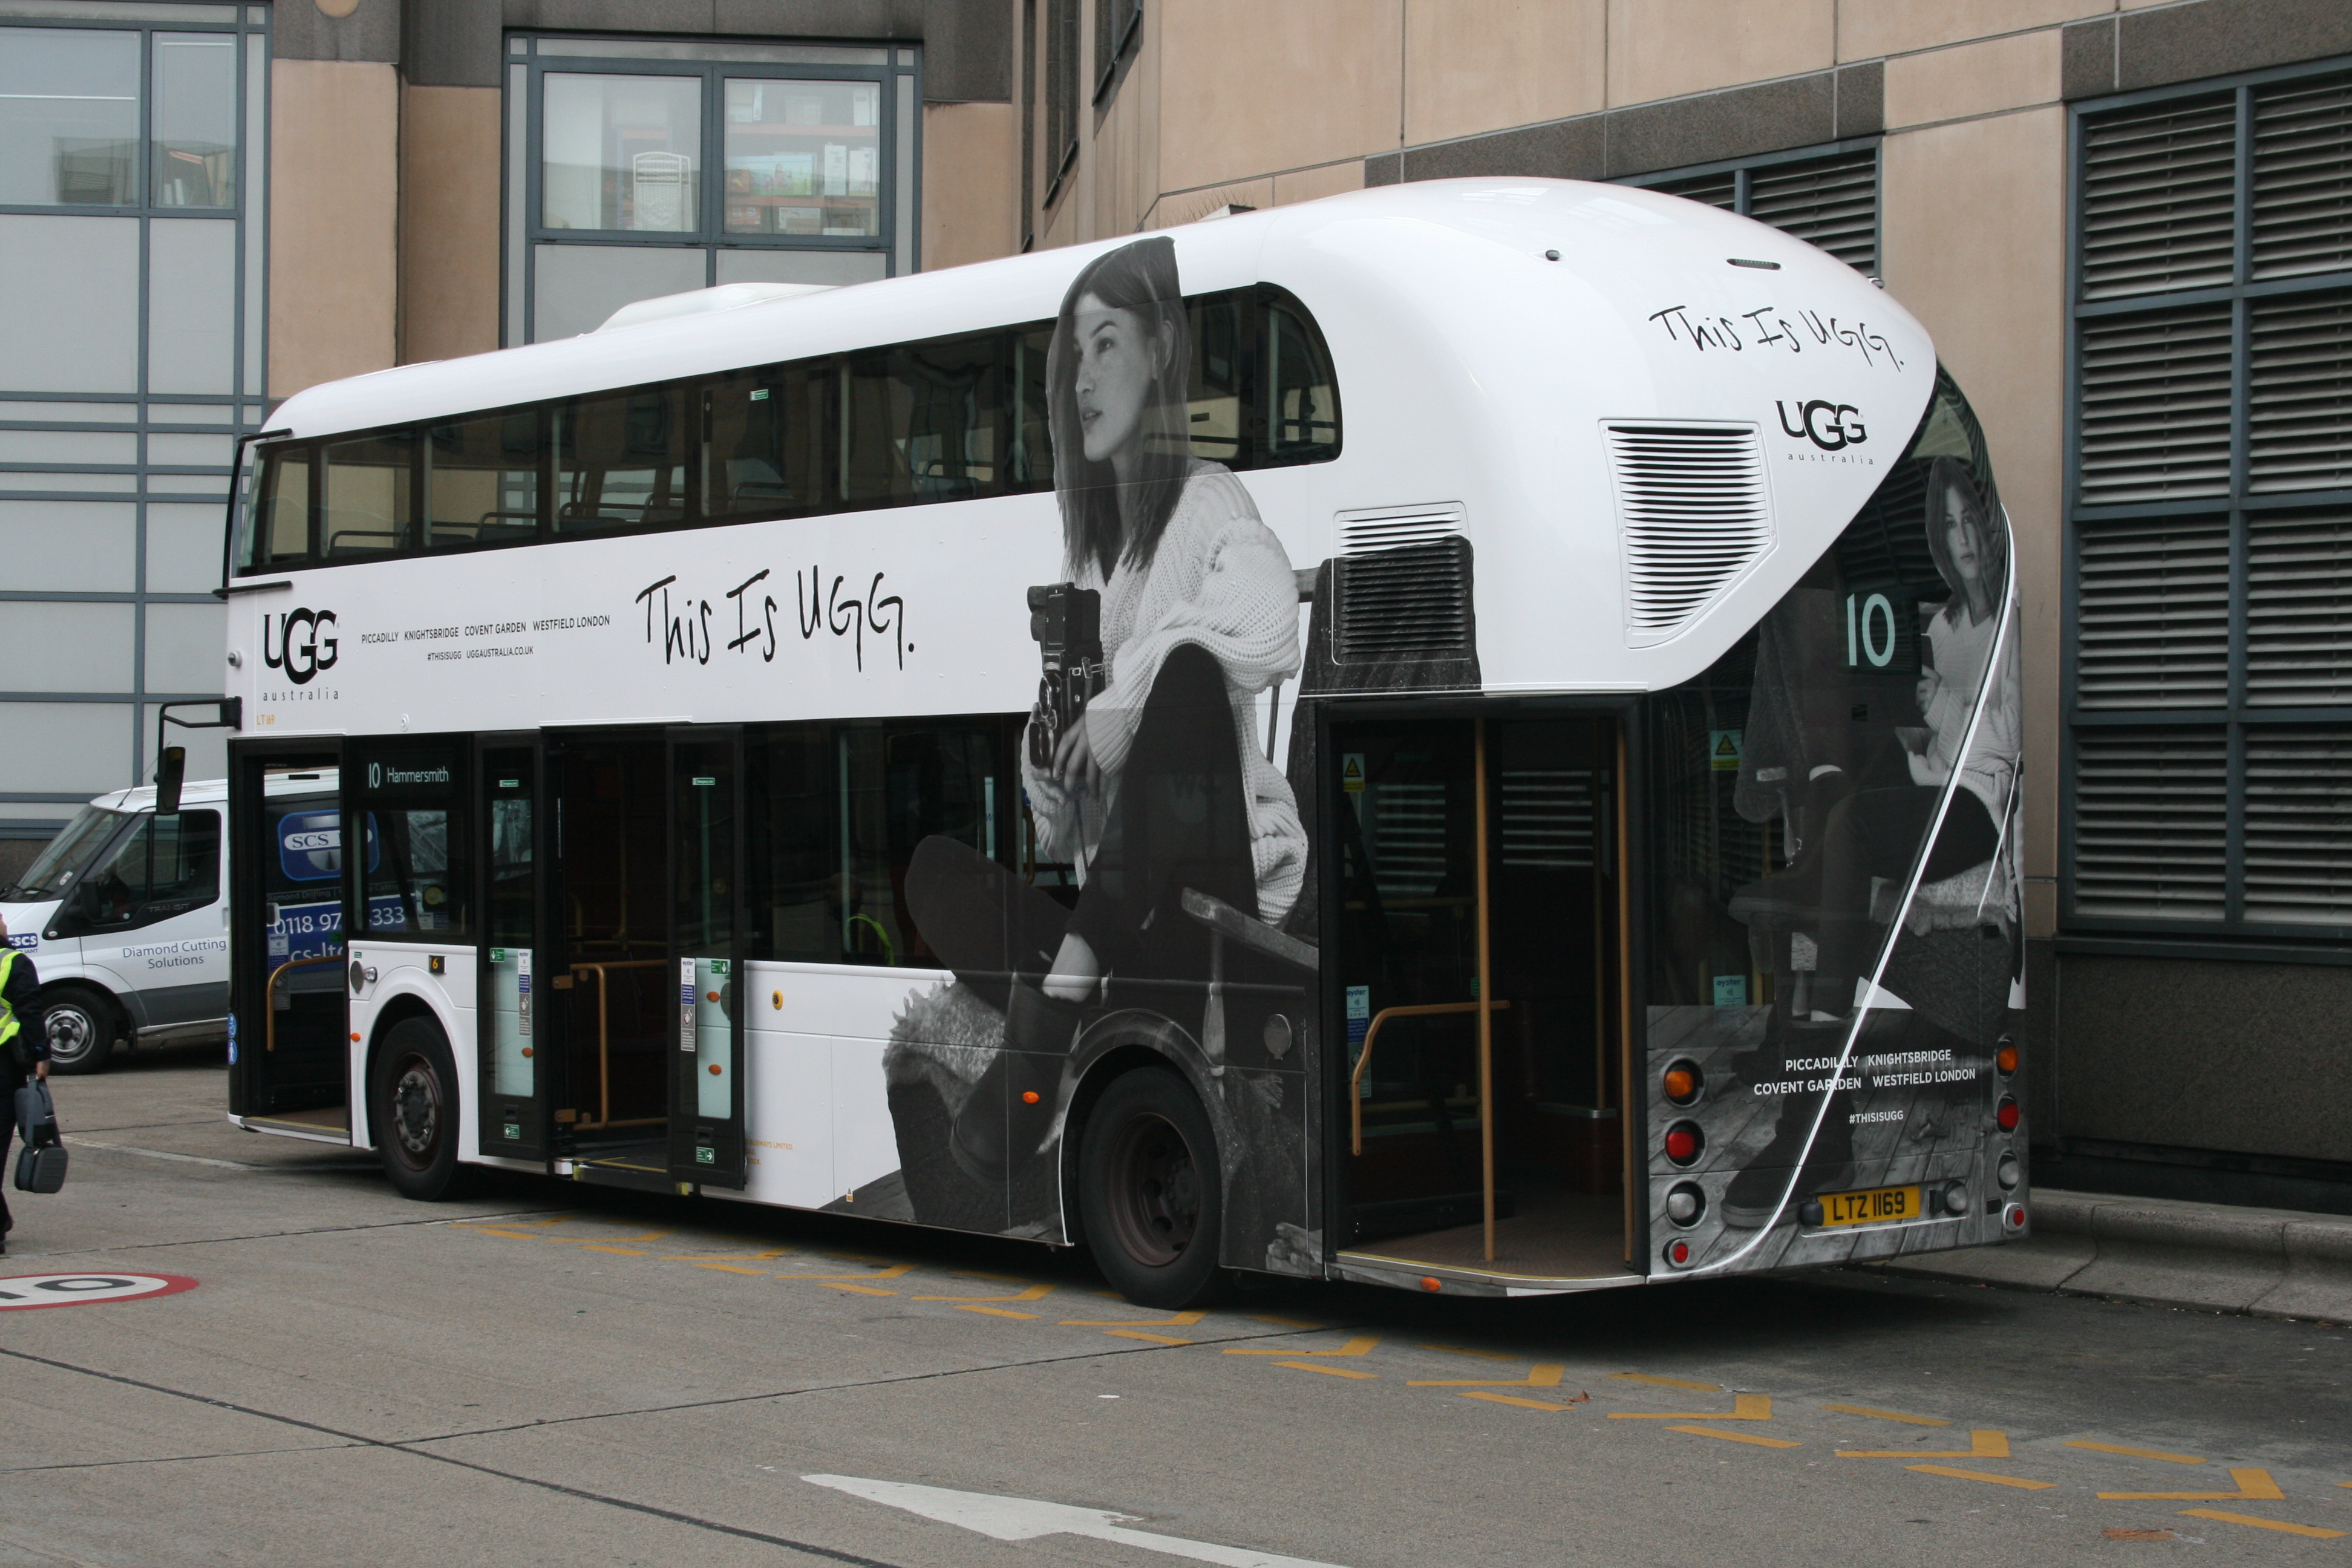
{"points": [[1157, 786]]}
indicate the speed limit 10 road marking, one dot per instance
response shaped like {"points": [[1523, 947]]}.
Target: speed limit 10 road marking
{"points": [[21, 1292]]}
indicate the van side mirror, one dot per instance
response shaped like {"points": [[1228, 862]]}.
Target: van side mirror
{"points": [[171, 771]]}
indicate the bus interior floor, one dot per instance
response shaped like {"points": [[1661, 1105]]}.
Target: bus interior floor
{"points": [[1553, 1235], [627, 1154]]}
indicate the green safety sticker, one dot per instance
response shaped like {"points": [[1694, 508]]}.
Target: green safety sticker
{"points": [[514, 1132], [722, 966], [706, 1156]]}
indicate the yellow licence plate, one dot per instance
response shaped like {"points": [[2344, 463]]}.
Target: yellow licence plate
{"points": [[1870, 1207]]}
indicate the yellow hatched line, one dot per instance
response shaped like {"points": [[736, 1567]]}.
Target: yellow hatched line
{"points": [[1985, 1443], [2314, 1531], [1889, 1414], [1744, 1407], [2253, 1486], [2137, 1453], [1508, 1399], [1986, 1476], [1655, 1380], [1361, 1345], [1739, 1437], [1325, 1371], [1544, 1375]]}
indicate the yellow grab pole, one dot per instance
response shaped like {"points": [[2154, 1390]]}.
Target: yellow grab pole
{"points": [[1485, 1010]]}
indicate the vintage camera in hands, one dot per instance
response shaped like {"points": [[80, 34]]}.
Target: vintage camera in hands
{"points": [[1067, 621]]}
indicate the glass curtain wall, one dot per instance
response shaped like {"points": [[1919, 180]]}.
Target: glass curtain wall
{"points": [[643, 167], [132, 218]]}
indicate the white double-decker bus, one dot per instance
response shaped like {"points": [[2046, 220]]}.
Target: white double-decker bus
{"points": [[1462, 736]]}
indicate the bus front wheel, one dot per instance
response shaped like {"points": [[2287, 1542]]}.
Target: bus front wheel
{"points": [[415, 1099], [1149, 1192]]}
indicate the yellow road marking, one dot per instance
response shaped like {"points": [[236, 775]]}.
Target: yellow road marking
{"points": [[1361, 1345], [1667, 1382], [2279, 1524], [731, 1256], [1510, 1399], [1174, 1321], [728, 1268], [1744, 1407], [1543, 1376], [1889, 1414], [860, 1290], [1152, 1338], [842, 1281], [509, 1235], [1325, 1371], [998, 1312], [1983, 1475], [986, 1305], [1739, 1437], [1984, 1444], [623, 1251], [1482, 1355], [2253, 1486], [2137, 1453]]}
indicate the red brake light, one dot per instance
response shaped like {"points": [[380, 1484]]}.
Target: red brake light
{"points": [[1683, 1143], [2006, 1114]]}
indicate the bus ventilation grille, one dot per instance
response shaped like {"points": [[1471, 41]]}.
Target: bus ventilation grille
{"points": [[1691, 512], [1405, 584]]}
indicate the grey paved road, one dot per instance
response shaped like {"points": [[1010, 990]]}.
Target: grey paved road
{"points": [[548, 1374]]}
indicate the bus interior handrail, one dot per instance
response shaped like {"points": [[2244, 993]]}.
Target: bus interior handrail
{"points": [[605, 1042], [1364, 1057], [269, 994]]}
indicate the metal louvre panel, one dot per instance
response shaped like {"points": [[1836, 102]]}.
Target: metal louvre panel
{"points": [[2299, 414], [2156, 406], [2157, 190], [1716, 190], [1546, 817], [1692, 516], [2299, 826], [1828, 202], [2302, 178], [2299, 609], [2152, 619], [1403, 584], [2151, 823]]}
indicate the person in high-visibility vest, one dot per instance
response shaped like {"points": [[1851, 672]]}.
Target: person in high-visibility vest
{"points": [[24, 1048]]}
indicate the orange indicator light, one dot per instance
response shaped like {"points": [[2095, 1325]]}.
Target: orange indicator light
{"points": [[1430, 1282], [1028, 1097]]}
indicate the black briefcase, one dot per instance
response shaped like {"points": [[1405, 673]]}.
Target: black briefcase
{"points": [[41, 1165]]}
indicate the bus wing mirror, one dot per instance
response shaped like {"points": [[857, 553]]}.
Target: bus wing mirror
{"points": [[171, 772]]}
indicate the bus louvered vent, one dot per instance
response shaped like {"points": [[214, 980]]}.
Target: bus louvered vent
{"points": [[1692, 515], [1405, 584]]}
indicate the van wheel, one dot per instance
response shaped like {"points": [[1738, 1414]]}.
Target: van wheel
{"points": [[82, 1028], [1150, 1192], [415, 1101]]}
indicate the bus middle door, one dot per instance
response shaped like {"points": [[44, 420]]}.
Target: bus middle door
{"points": [[707, 1088]]}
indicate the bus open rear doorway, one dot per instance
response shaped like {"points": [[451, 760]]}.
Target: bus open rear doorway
{"points": [[1477, 901]]}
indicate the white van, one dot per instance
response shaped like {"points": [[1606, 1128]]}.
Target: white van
{"points": [[127, 916]]}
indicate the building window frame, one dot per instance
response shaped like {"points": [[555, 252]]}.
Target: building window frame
{"points": [[533, 56], [2232, 514]]}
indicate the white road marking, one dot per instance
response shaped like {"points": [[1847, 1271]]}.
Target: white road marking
{"points": [[1024, 1519], [75, 1141]]}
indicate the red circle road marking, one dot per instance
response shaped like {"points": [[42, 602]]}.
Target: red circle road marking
{"points": [[21, 1292]]}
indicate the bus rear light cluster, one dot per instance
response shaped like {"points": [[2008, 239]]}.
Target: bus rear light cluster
{"points": [[2008, 1172], [2012, 1218], [1679, 1254], [2006, 1113], [1682, 1082], [1684, 1142], [2005, 1055], [1685, 1203]]}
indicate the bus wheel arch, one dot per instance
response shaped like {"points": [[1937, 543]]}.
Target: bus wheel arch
{"points": [[413, 1101], [1144, 1162], [84, 1021]]}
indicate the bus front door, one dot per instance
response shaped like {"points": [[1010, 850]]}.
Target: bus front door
{"points": [[289, 1062], [706, 918], [511, 1074], [1478, 976]]}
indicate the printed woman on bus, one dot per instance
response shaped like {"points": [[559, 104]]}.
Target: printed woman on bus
{"points": [[1150, 785]]}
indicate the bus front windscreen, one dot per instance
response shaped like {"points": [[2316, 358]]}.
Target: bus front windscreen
{"points": [[68, 856]]}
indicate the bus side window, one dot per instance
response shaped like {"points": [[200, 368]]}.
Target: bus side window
{"points": [[1029, 453], [923, 422], [481, 482], [1220, 374], [1302, 413], [763, 451], [280, 530], [418, 878], [370, 495], [620, 461]]}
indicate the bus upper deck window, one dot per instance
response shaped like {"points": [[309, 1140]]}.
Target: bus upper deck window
{"points": [[1218, 378], [765, 452], [369, 489], [923, 423], [620, 461], [1302, 423], [279, 531], [481, 482]]}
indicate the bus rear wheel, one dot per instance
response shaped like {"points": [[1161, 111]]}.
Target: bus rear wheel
{"points": [[414, 1098], [1150, 1192]]}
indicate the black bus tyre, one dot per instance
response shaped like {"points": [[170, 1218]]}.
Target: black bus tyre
{"points": [[1150, 1193], [82, 1027], [415, 1101]]}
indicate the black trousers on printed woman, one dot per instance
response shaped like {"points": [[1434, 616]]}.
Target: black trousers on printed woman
{"points": [[1179, 818]]}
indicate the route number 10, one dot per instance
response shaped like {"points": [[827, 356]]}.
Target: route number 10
{"points": [[1861, 632]]}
